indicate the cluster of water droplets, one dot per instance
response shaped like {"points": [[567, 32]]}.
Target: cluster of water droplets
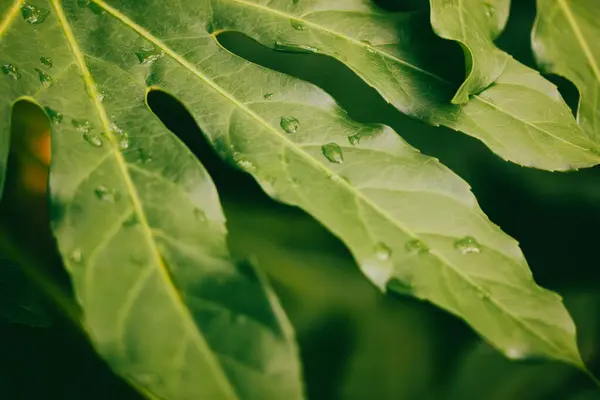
{"points": [[32, 14]]}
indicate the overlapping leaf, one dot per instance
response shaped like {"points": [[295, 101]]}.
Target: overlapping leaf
{"points": [[411, 224], [474, 24], [138, 218], [565, 42], [521, 116]]}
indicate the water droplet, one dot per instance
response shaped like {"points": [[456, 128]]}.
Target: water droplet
{"points": [[490, 10], [268, 96], [210, 27], [199, 214], [467, 245], [33, 14], [144, 156], [297, 25], [355, 139], [45, 79], [148, 56], [82, 125], [55, 116], [105, 194], [416, 246], [100, 95], [131, 221], [339, 178], [399, 286], [514, 353], [76, 256], [366, 42], [382, 252], [333, 152], [11, 71], [47, 61], [294, 48], [124, 141], [92, 139], [289, 124]]}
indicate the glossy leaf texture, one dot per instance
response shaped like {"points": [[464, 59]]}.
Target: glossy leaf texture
{"points": [[19, 300], [521, 117], [137, 218], [412, 225], [565, 42], [474, 24]]}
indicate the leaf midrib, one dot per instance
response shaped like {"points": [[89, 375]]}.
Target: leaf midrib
{"points": [[580, 38], [12, 11], [136, 203], [184, 63], [412, 66]]}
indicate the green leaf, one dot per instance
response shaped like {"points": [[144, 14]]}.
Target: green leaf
{"points": [[137, 218], [411, 224], [565, 42], [19, 300], [474, 24], [521, 117]]}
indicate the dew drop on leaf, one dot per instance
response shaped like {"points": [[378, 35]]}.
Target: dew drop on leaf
{"points": [[514, 353], [81, 125], [105, 194], [46, 61], [289, 124], [490, 10], [199, 214], [333, 152], [76, 256], [148, 56], [399, 286], [92, 139], [382, 252], [144, 156], [354, 139], [55, 116], [297, 25], [33, 14], [131, 221], [124, 141], [416, 246], [268, 96], [11, 71], [45, 79], [467, 245]]}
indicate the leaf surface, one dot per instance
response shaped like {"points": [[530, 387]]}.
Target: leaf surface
{"points": [[412, 225], [565, 42], [19, 301], [521, 117], [138, 219], [474, 24]]}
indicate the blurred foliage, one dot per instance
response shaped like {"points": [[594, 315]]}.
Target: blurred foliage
{"points": [[355, 342]]}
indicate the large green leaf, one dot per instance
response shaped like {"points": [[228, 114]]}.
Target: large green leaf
{"points": [[411, 224], [474, 24], [565, 42], [137, 218], [19, 300], [521, 117]]}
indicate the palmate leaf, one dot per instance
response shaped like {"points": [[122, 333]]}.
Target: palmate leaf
{"points": [[474, 24], [521, 117], [138, 219], [412, 225], [565, 42]]}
